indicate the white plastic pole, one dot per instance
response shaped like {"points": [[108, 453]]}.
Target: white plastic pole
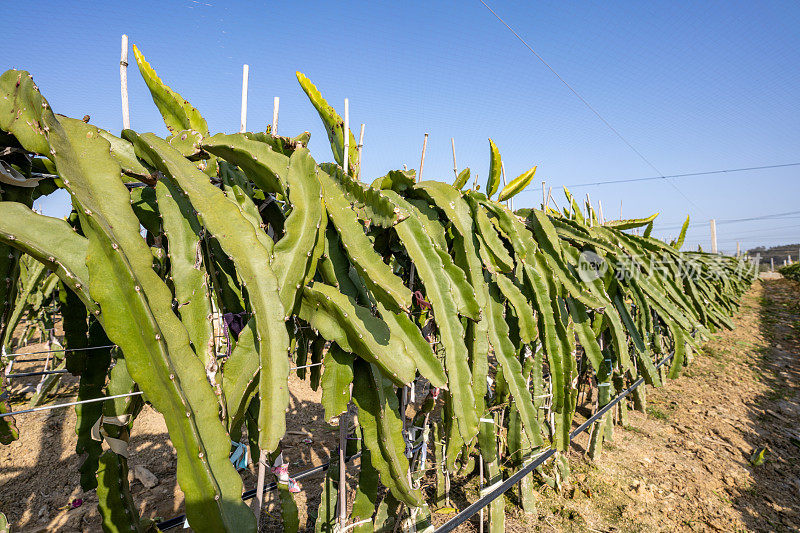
{"points": [[544, 196], [713, 236], [360, 145], [245, 76], [276, 103], [455, 166], [346, 136], [123, 79]]}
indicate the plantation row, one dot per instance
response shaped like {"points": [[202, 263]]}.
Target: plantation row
{"points": [[386, 283], [791, 271]]}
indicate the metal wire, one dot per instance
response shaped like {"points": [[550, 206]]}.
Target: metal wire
{"points": [[39, 360], [39, 373], [62, 350], [69, 404], [306, 366], [26, 374]]}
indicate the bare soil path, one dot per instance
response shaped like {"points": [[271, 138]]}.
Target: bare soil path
{"points": [[686, 465]]}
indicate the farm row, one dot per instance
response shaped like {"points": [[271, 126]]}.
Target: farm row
{"points": [[377, 285]]}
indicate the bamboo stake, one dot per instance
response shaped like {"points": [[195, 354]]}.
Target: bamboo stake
{"points": [[422, 158], [588, 210], [259, 499], [544, 196], [509, 202], [480, 487], [346, 136], [245, 76], [455, 167], [276, 104], [600, 211], [343, 423], [123, 80]]}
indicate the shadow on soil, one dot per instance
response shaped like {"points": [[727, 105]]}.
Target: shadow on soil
{"points": [[772, 502], [35, 489]]}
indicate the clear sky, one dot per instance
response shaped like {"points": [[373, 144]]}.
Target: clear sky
{"points": [[692, 86]]}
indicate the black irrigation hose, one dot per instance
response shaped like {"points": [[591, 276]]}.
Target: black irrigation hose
{"points": [[250, 494], [473, 509]]}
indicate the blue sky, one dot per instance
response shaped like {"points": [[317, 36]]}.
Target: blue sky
{"points": [[694, 87]]}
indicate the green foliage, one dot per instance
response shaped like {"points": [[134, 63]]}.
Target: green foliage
{"points": [[791, 271], [375, 285], [517, 185], [495, 170]]}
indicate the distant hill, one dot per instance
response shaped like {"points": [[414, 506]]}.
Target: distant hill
{"points": [[778, 253]]}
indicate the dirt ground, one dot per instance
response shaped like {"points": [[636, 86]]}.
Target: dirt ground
{"points": [[683, 466]]}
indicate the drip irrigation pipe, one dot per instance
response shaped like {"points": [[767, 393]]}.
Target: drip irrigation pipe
{"points": [[473, 509]]}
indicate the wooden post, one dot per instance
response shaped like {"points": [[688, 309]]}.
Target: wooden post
{"points": [[455, 167], [601, 219], [245, 76], [620, 209], [772, 264], [123, 80], [738, 249], [422, 159], [276, 104], [346, 161], [713, 223], [360, 145]]}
